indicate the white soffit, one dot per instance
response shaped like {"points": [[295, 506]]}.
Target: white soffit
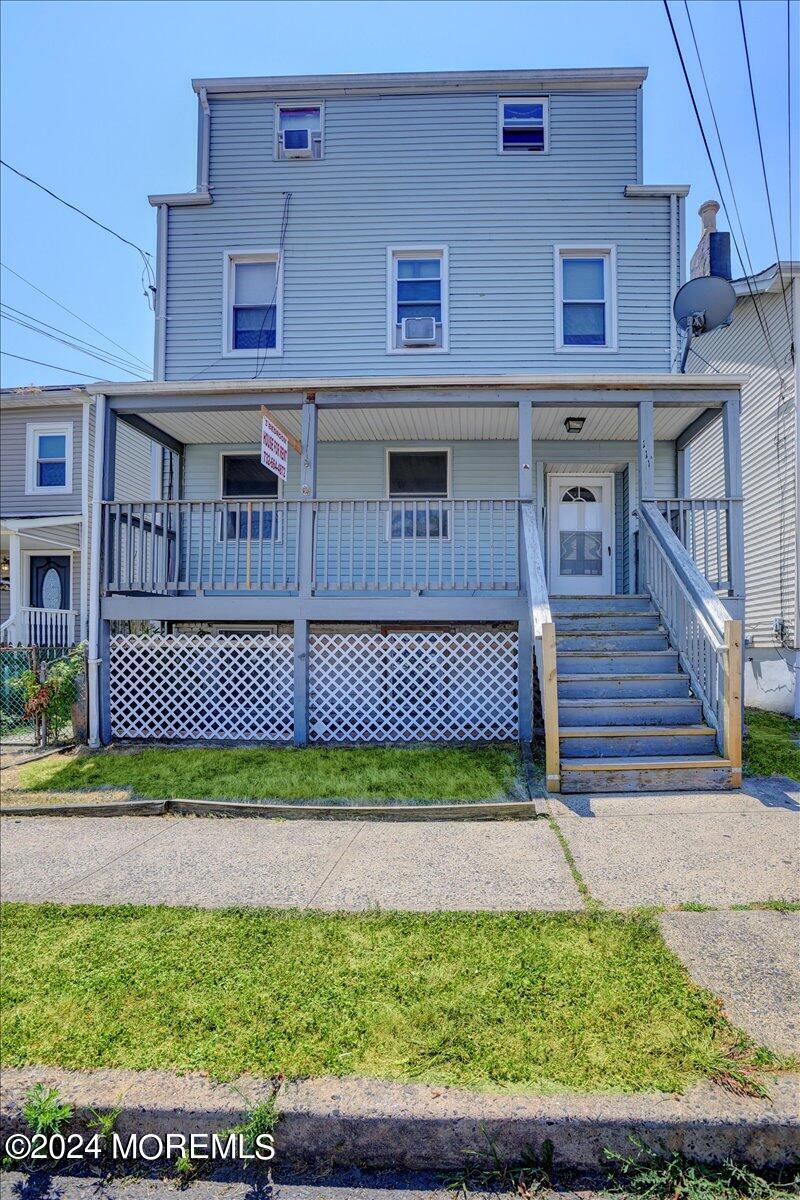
{"points": [[237, 426]]}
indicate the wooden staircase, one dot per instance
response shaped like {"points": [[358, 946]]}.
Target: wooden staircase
{"points": [[627, 718]]}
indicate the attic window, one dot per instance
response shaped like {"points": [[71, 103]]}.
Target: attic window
{"points": [[523, 125], [298, 130]]}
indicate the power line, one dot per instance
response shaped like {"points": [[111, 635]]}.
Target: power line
{"points": [[71, 345], [764, 173], [39, 363], [88, 324], [145, 255], [108, 355], [710, 157]]}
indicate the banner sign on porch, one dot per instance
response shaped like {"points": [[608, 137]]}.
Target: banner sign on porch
{"points": [[274, 447]]}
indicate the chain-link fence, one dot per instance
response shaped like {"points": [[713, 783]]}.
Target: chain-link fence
{"points": [[17, 729]]}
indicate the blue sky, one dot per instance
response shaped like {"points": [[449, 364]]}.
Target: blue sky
{"points": [[97, 105]]}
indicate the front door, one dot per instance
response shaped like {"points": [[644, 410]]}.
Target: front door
{"points": [[50, 581], [581, 550]]}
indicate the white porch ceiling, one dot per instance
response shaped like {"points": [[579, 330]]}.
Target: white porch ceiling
{"points": [[423, 424]]}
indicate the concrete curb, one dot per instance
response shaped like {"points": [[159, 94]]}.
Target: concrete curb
{"points": [[490, 810], [340, 1122]]}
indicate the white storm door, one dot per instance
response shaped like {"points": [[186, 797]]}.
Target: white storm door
{"points": [[581, 549]]}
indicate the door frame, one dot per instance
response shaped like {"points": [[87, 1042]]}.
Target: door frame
{"points": [[46, 552], [607, 477]]}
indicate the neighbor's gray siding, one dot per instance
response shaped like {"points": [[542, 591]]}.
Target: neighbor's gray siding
{"points": [[133, 473], [13, 426], [769, 462], [405, 170]]}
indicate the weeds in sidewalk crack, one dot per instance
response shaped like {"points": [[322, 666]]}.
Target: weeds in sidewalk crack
{"points": [[589, 900]]}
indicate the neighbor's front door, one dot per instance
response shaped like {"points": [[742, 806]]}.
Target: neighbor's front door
{"points": [[581, 551], [50, 581]]}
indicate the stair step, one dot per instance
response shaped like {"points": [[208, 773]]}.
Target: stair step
{"points": [[606, 622], [628, 711], [604, 662], [620, 640], [632, 686], [653, 773], [588, 742], [568, 605]]}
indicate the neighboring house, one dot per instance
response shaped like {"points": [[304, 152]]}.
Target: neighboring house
{"points": [[454, 292], [47, 436], [758, 344]]}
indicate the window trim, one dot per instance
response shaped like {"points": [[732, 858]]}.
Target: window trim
{"points": [[608, 252], [276, 130], [442, 250], [33, 431], [229, 260], [545, 102]]}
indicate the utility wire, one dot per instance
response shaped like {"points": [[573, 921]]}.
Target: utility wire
{"points": [[764, 173], [88, 324], [37, 362], [714, 172], [72, 345], [108, 355]]}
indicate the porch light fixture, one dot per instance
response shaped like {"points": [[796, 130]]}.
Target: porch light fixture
{"points": [[574, 424]]}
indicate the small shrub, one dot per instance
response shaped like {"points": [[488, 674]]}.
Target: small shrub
{"points": [[43, 1110], [51, 700]]}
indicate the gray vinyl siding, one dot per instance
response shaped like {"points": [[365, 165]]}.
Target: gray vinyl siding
{"points": [[133, 472], [13, 434], [769, 462], [420, 170]]}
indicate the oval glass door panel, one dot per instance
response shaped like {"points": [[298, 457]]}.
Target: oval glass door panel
{"points": [[52, 596]]}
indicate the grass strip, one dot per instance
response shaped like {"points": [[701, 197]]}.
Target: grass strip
{"points": [[524, 1001], [772, 744], [427, 774]]}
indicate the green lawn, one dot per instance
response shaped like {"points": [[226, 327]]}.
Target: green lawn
{"points": [[769, 748], [529, 1001], [427, 774]]}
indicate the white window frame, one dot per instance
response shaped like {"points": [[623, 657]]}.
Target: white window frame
{"points": [[246, 453], [230, 259], [545, 102], [608, 252], [33, 431], [276, 147], [393, 253], [419, 449]]}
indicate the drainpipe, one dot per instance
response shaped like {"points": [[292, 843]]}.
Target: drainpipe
{"points": [[795, 294], [101, 406]]}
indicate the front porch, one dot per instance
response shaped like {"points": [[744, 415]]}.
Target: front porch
{"points": [[44, 593], [352, 540]]}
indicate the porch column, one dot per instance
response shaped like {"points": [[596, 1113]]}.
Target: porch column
{"points": [[305, 535], [105, 445], [524, 628], [684, 472], [646, 459], [15, 633], [732, 452]]}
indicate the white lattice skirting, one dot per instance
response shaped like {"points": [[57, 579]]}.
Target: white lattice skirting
{"points": [[409, 687], [205, 688], [398, 687]]}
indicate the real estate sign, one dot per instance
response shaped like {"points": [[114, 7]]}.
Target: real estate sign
{"points": [[274, 447]]}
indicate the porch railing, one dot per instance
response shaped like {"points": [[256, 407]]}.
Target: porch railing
{"points": [[360, 545], [705, 529], [709, 643], [544, 642], [45, 627]]}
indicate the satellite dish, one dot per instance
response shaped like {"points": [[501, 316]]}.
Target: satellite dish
{"points": [[701, 305]]}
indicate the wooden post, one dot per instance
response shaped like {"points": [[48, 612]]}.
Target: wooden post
{"points": [[732, 450], [550, 690], [733, 700]]}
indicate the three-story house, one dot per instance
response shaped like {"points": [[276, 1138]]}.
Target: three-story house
{"points": [[453, 292]]}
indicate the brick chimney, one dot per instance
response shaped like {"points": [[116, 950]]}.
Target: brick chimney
{"points": [[713, 253]]}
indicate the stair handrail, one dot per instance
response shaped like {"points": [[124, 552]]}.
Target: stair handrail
{"points": [[708, 641], [544, 641]]}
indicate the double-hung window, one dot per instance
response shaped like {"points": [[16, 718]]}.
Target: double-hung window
{"points": [[585, 298], [419, 480], [417, 299], [298, 131], [523, 125], [253, 302], [48, 465], [252, 486]]}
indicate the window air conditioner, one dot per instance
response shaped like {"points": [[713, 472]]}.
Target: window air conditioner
{"points": [[418, 331], [297, 143]]}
